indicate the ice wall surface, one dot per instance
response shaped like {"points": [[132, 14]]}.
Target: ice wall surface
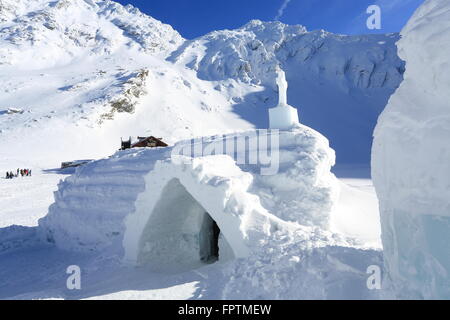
{"points": [[410, 160]]}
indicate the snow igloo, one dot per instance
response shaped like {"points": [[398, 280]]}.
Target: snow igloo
{"points": [[174, 213]]}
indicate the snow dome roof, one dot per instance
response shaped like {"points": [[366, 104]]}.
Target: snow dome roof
{"points": [[156, 204]]}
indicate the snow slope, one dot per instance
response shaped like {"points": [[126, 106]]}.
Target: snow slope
{"points": [[411, 160], [97, 74]]}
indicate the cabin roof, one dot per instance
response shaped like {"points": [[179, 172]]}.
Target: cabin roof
{"points": [[144, 140]]}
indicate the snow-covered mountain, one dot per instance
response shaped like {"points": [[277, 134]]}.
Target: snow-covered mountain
{"points": [[339, 83], [70, 66], [83, 73], [52, 33]]}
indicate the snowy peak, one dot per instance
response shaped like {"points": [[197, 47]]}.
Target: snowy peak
{"points": [[244, 54], [269, 32], [53, 32], [252, 52]]}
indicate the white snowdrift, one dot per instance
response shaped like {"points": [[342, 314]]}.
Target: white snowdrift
{"points": [[410, 160], [153, 206]]}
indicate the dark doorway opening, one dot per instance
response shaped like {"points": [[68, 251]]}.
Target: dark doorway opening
{"points": [[209, 240], [180, 234]]}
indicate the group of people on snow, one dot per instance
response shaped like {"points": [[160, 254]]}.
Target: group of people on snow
{"points": [[21, 172]]}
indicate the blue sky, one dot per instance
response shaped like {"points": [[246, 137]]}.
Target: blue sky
{"points": [[193, 18]]}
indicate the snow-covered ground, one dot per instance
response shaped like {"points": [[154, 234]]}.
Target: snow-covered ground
{"points": [[24, 200], [357, 213]]}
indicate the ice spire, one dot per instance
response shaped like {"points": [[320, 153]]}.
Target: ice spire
{"points": [[282, 87], [282, 117]]}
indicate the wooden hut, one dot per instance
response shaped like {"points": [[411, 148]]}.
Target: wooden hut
{"points": [[144, 142], [149, 142]]}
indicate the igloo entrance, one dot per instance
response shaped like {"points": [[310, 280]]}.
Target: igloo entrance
{"points": [[180, 234], [209, 240]]}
